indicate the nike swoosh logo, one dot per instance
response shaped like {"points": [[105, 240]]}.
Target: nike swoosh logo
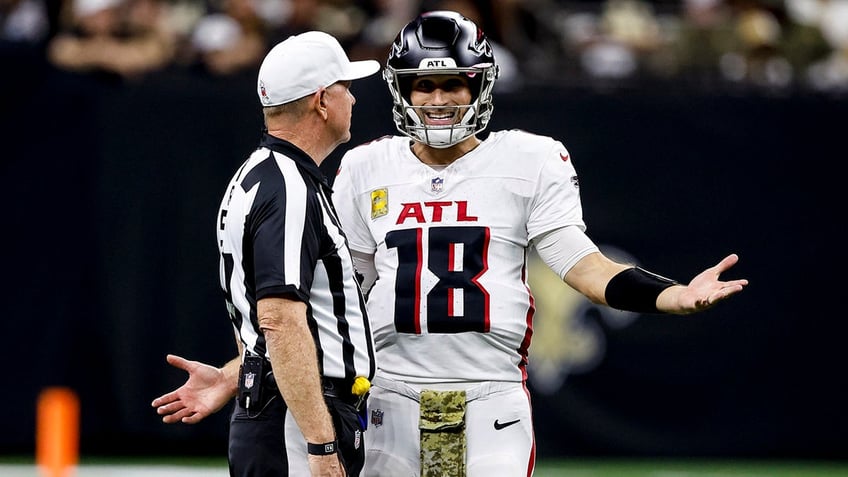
{"points": [[499, 426]]}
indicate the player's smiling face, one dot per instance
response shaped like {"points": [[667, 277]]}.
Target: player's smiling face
{"points": [[440, 94]]}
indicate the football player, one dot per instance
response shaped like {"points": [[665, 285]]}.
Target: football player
{"points": [[440, 222]]}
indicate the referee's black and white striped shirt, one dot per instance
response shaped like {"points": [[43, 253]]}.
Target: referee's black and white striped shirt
{"points": [[278, 234]]}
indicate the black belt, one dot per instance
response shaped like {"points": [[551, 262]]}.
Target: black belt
{"points": [[339, 389], [333, 387]]}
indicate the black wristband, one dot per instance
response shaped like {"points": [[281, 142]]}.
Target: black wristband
{"points": [[322, 449], [636, 290]]}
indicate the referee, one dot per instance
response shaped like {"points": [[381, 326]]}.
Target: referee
{"points": [[299, 317]]}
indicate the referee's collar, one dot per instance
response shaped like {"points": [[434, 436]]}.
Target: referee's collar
{"points": [[294, 153]]}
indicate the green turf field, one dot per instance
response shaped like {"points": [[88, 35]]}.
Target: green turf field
{"points": [[545, 468], [682, 468]]}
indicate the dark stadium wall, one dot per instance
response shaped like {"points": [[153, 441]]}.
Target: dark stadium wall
{"points": [[110, 195]]}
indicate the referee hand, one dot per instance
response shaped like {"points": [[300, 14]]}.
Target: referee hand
{"points": [[206, 391], [326, 466]]}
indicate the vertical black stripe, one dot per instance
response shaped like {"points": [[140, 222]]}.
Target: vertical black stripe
{"points": [[372, 361], [235, 314], [335, 274], [313, 329], [344, 328], [267, 202]]}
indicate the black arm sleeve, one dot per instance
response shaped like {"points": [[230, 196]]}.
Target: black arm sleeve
{"points": [[636, 289]]}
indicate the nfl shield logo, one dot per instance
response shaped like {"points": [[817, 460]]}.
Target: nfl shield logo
{"points": [[376, 417], [248, 380], [436, 184]]}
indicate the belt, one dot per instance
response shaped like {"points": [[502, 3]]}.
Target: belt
{"points": [[338, 388], [472, 393], [333, 387]]}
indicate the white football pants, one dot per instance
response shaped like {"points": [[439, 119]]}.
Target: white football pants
{"points": [[498, 422]]}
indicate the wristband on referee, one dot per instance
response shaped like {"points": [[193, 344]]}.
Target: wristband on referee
{"points": [[322, 449], [636, 289]]}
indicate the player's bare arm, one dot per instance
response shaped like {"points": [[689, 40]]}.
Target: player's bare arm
{"points": [[633, 288], [591, 274], [206, 391]]}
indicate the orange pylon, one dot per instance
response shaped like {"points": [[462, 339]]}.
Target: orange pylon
{"points": [[57, 432]]}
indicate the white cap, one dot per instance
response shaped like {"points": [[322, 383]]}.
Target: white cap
{"points": [[305, 63]]}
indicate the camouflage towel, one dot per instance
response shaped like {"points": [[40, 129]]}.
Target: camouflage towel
{"points": [[442, 427]]}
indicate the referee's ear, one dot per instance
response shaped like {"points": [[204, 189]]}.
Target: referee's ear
{"points": [[321, 103]]}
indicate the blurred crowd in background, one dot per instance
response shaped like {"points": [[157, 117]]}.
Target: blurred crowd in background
{"points": [[773, 45]]}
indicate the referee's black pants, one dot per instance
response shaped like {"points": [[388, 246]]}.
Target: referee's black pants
{"points": [[257, 440]]}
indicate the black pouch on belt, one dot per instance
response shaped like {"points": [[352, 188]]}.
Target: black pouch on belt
{"points": [[250, 382]]}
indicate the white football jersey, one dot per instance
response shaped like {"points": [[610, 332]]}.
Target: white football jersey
{"points": [[451, 302]]}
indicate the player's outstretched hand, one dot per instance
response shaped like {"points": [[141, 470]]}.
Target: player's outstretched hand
{"points": [[206, 391], [704, 291]]}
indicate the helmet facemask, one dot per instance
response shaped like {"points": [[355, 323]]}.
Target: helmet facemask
{"points": [[473, 117]]}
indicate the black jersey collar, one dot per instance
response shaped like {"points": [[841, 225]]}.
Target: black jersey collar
{"points": [[294, 153]]}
